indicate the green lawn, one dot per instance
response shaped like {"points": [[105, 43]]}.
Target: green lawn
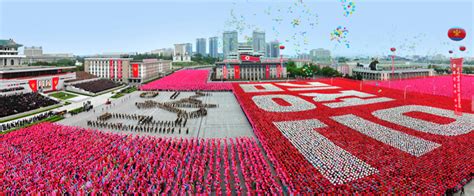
{"points": [[62, 95]]}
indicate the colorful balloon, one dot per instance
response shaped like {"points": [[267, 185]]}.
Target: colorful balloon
{"points": [[462, 48], [456, 34], [450, 52], [282, 47], [393, 49]]}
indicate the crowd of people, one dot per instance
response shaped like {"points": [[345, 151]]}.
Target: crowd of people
{"points": [[97, 86], [55, 159], [23, 102], [26, 121], [174, 106], [436, 85], [385, 169], [149, 94], [143, 123], [187, 80]]}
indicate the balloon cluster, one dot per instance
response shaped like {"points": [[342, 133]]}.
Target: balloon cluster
{"points": [[348, 6], [340, 35]]}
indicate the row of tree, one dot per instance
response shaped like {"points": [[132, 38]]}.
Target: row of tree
{"points": [[310, 70]]}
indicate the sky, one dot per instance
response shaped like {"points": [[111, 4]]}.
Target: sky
{"points": [[85, 27]]}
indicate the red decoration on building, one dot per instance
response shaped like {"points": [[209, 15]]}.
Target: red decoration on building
{"points": [[237, 72], [135, 70], [249, 58], [119, 69], [55, 82], [33, 85]]}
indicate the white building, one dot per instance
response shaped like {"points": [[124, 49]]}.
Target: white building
{"points": [[181, 53], [163, 52], [126, 70], [35, 54], [9, 53]]}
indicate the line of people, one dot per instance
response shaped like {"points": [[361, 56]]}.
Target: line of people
{"points": [[137, 128]]}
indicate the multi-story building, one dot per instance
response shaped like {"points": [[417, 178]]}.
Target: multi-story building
{"points": [[258, 39], [386, 74], [35, 54], [320, 54], [126, 70], [274, 49], [148, 69], [213, 47], [26, 79], [268, 50], [181, 53], [9, 53], [163, 52], [201, 46], [189, 49], [250, 67], [230, 42]]}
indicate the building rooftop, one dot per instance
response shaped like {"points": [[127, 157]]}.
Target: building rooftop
{"points": [[9, 43], [13, 69]]}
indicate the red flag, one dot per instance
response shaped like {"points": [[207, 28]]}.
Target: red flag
{"points": [[55, 82], [278, 71], [33, 85], [135, 70], [249, 58], [267, 71], [224, 71], [456, 67], [237, 71], [111, 62], [119, 69]]}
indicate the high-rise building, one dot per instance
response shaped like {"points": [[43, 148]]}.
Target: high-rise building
{"points": [[274, 49], [258, 38], [201, 46], [230, 42], [189, 49], [320, 54], [213, 47], [268, 50]]}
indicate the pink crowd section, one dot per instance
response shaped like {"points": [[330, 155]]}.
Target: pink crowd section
{"points": [[187, 80]]}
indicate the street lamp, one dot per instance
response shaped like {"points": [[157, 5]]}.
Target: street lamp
{"points": [[282, 47], [393, 61]]}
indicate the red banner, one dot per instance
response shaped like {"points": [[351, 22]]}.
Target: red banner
{"points": [[279, 71], [55, 82], [33, 85], [237, 71], [224, 71], [249, 58], [267, 71], [119, 69], [135, 70], [456, 67], [111, 66]]}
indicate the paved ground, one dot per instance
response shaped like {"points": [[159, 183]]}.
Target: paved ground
{"points": [[227, 120]]}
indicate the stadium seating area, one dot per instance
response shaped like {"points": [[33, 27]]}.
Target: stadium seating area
{"points": [[97, 86], [187, 80], [18, 103]]}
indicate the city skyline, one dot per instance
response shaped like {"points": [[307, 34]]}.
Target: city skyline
{"points": [[373, 29]]}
